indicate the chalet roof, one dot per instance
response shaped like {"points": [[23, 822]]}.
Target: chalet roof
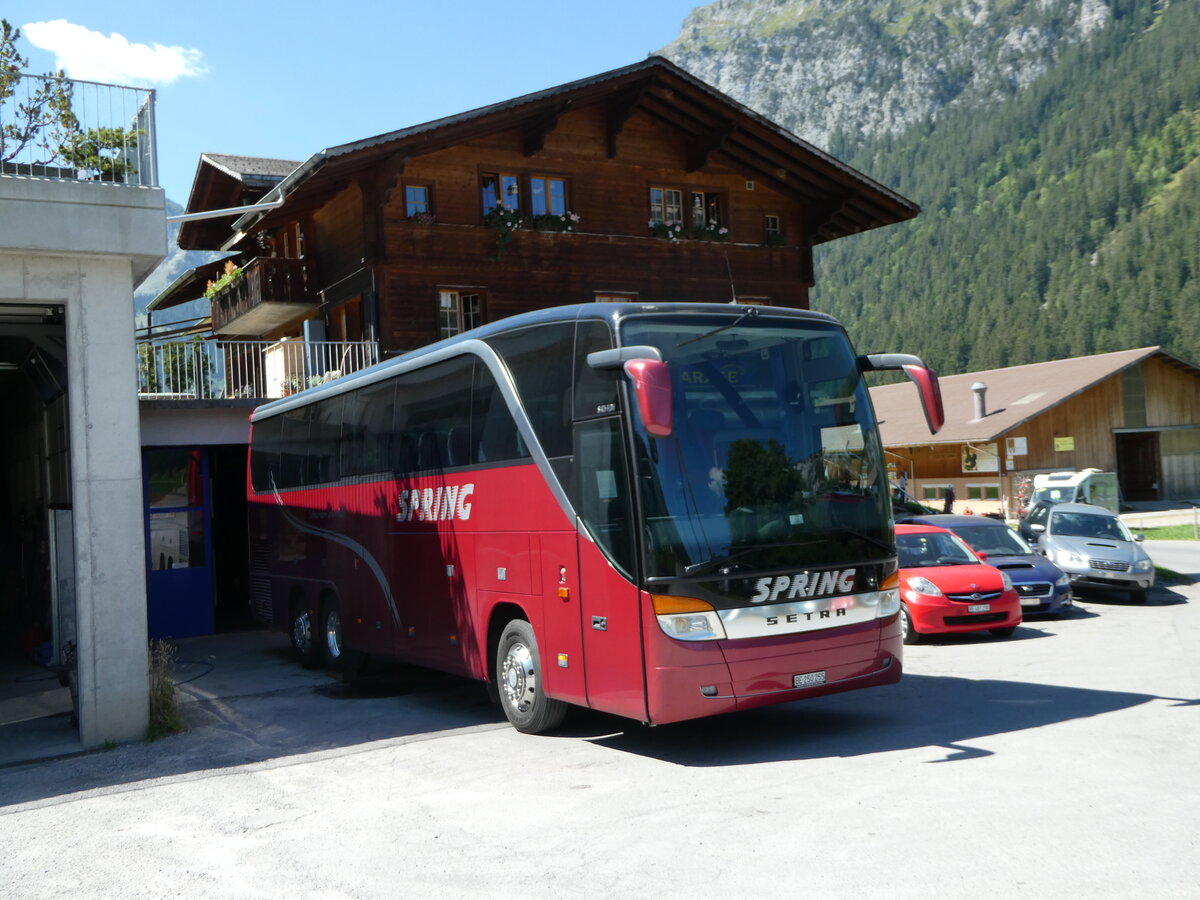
{"points": [[715, 126], [188, 286], [1014, 396], [223, 181]]}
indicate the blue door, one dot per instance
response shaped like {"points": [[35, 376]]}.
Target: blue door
{"points": [[179, 581]]}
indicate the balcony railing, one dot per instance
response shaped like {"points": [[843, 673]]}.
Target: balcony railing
{"points": [[77, 130], [271, 292], [229, 370]]}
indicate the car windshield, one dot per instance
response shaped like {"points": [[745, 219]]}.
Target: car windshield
{"points": [[994, 540], [774, 459], [932, 548], [1088, 525]]}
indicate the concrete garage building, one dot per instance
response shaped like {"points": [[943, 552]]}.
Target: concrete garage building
{"points": [[1133, 412], [73, 245]]}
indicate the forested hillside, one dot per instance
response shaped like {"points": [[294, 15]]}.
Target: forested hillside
{"points": [[1059, 217]]}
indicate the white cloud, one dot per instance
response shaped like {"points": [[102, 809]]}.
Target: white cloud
{"points": [[92, 56]]}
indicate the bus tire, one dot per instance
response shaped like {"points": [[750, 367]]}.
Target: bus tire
{"points": [[333, 650], [302, 633], [519, 679]]}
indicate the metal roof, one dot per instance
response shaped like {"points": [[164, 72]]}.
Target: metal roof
{"points": [[1014, 396]]}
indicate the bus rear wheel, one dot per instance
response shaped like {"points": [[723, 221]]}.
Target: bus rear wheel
{"points": [[519, 678], [331, 633], [301, 632]]}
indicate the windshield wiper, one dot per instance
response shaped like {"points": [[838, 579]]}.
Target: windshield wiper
{"points": [[750, 311], [729, 560]]}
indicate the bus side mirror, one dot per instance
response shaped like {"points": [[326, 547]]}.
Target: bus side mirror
{"points": [[926, 380], [652, 387]]}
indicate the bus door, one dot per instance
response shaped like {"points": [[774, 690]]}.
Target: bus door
{"points": [[609, 605]]}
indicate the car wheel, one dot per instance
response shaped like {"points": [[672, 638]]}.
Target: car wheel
{"points": [[1005, 632], [300, 631], [519, 678], [332, 650], [910, 634]]}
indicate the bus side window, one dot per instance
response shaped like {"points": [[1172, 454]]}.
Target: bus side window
{"points": [[494, 435], [596, 390], [603, 489], [367, 430], [324, 434], [264, 452], [540, 359], [294, 449]]}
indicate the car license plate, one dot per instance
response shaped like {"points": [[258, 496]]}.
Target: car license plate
{"points": [[979, 607], [1031, 601], [808, 679]]}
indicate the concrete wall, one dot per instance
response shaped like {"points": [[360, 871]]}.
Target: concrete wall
{"points": [[85, 246]]}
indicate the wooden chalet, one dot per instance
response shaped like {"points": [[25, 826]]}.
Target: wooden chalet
{"points": [[1133, 412], [640, 184]]}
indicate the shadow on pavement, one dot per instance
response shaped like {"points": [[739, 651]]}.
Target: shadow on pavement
{"points": [[921, 711]]}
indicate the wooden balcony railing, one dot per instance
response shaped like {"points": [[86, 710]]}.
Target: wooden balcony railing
{"points": [[270, 293]]}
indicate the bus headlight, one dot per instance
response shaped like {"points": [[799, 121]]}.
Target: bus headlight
{"points": [[687, 618], [889, 597]]}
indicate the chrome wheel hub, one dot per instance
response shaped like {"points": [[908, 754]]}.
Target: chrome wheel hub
{"points": [[333, 634], [302, 632], [519, 677]]}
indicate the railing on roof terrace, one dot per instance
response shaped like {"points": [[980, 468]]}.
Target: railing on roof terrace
{"points": [[76, 130], [232, 370]]}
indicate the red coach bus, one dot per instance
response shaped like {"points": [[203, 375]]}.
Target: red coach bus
{"points": [[660, 511]]}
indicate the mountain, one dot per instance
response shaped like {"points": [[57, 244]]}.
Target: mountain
{"points": [[1054, 147], [176, 263]]}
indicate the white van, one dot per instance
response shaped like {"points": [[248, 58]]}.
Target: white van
{"points": [[1087, 486]]}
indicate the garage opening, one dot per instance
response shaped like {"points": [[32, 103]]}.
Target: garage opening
{"points": [[37, 558]]}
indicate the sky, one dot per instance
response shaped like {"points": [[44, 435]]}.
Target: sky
{"points": [[289, 80]]}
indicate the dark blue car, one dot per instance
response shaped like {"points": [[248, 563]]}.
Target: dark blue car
{"points": [[1041, 585]]}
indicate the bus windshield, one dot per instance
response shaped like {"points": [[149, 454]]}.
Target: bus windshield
{"points": [[774, 460]]}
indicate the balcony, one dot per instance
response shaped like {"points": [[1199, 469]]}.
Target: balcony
{"points": [[270, 295], [68, 130], [245, 370]]}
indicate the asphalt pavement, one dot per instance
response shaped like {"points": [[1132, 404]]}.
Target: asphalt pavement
{"points": [[1058, 763]]}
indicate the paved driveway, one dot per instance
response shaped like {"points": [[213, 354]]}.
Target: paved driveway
{"points": [[1059, 763]]}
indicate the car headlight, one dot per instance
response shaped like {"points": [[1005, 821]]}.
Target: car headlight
{"points": [[687, 618], [923, 585], [1006, 581], [1143, 565], [1063, 581], [1067, 557]]}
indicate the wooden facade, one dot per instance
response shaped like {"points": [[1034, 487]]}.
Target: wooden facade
{"points": [[1142, 422], [383, 269]]}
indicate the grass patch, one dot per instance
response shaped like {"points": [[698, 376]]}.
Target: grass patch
{"points": [[165, 717], [1168, 533]]}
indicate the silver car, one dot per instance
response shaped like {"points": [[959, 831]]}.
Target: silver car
{"points": [[1095, 549]]}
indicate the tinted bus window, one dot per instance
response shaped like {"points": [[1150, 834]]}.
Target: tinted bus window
{"points": [[494, 435], [264, 452], [433, 419], [324, 435], [541, 361], [596, 390], [293, 447], [367, 429]]}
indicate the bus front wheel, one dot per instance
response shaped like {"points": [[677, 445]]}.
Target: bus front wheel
{"points": [[519, 679]]}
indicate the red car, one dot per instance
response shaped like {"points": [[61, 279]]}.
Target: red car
{"points": [[946, 587]]}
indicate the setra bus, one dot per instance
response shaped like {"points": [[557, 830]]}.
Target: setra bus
{"points": [[662, 511]]}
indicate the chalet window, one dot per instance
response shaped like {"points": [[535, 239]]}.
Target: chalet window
{"points": [[417, 200], [547, 196], [499, 189], [773, 231], [983, 492], [615, 296], [458, 311], [934, 491], [666, 205], [706, 210]]}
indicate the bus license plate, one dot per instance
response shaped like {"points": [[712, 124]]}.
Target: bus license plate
{"points": [[979, 607], [808, 679]]}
